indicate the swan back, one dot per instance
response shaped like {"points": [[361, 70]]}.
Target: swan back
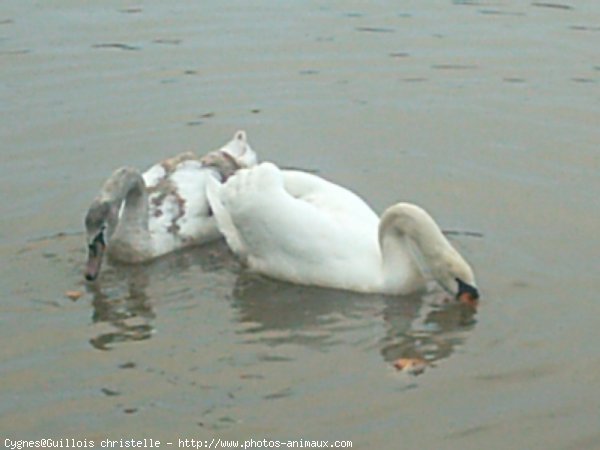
{"points": [[179, 214], [329, 198], [299, 227]]}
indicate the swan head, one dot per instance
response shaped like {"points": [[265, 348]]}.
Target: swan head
{"points": [[456, 276], [98, 221]]}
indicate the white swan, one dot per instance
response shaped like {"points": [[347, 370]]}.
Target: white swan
{"points": [[298, 227], [137, 217]]}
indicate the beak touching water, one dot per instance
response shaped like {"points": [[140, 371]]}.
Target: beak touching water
{"points": [[95, 254], [467, 294]]}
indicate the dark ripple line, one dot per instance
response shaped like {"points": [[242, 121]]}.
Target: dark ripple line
{"points": [[453, 66], [553, 5], [15, 52], [584, 28], [117, 45], [495, 12], [375, 30]]}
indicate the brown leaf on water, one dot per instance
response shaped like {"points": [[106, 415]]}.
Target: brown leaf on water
{"points": [[73, 295], [414, 366]]}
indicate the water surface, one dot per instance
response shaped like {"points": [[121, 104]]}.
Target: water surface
{"points": [[486, 113]]}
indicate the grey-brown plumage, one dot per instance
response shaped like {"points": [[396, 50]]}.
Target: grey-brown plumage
{"points": [[137, 217]]}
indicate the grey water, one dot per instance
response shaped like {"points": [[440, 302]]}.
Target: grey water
{"points": [[486, 113]]}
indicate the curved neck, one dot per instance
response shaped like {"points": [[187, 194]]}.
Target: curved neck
{"points": [[126, 188], [413, 222], [407, 231]]}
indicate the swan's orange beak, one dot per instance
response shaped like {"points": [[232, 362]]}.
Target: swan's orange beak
{"points": [[468, 299], [467, 294], [94, 262]]}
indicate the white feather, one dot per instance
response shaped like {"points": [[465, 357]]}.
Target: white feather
{"points": [[301, 228]]}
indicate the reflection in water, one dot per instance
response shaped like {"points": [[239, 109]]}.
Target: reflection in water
{"points": [[275, 313], [130, 314], [129, 310], [279, 313], [431, 336]]}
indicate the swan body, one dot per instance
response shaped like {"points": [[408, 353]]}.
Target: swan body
{"points": [[137, 217], [300, 228]]}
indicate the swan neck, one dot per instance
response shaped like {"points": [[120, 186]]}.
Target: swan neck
{"points": [[413, 246], [126, 189], [417, 226], [419, 237]]}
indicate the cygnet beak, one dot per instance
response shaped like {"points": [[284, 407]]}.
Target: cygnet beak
{"points": [[94, 262]]}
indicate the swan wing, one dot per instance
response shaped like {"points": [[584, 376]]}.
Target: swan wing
{"points": [[298, 237], [196, 223], [329, 197], [178, 210]]}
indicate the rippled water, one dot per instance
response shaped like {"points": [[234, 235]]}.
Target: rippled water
{"points": [[486, 113]]}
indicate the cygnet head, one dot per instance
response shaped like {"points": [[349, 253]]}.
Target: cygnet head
{"points": [[96, 223]]}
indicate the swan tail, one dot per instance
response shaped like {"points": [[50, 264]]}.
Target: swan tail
{"points": [[240, 149]]}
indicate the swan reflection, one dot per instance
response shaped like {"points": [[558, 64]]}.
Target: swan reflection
{"points": [[278, 313], [275, 313], [431, 334], [120, 298], [128, 310]]}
